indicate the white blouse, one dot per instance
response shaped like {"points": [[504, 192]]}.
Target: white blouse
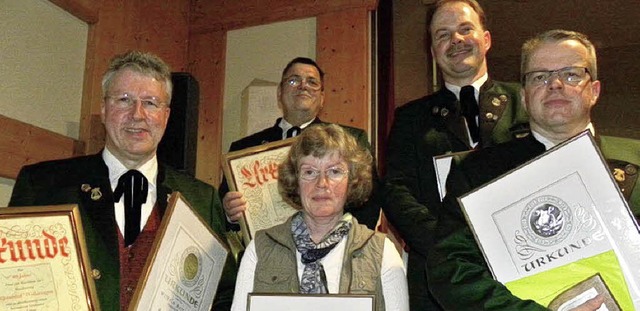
{"points": [[394, 275]]}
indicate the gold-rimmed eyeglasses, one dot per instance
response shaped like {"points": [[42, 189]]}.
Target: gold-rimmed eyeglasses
{"points": [[296, 80], [333, 174]]}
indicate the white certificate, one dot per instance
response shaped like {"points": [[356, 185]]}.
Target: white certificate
{"points": [[185, 265], [558, 209], [442, 165], [309, 302]]}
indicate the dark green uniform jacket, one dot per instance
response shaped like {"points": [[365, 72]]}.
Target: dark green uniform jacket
{"points": [[458, 275], [60, 182], [425, 128]]}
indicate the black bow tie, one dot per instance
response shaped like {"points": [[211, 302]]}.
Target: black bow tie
{"points": [[293, 132], [134, 186]]}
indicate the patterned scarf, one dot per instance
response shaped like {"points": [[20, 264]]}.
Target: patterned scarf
{"points": [[314, 280]]}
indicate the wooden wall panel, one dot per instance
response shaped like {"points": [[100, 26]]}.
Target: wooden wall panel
{"points": [[343, 51], [146, 25], [226, 15], [207, 54], [21, 144]]}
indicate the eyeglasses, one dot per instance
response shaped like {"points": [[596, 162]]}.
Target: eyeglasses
{"points": [[295, 81], [334, 174], [126, 101], [568, 75]]}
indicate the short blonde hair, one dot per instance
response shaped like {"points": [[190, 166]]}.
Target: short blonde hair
{"points": [[144, 63], [554, 36], [318, 141]]}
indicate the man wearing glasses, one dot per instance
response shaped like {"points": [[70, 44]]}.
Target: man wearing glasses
{"points": [[122, 191], [300, 97], [560, 87]]}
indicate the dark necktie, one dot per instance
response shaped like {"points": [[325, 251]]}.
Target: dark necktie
{"points": [[134, 186], [470, 110], [293, 132]]}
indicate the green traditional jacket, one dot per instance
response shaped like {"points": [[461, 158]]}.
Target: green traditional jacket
{"points": [[63, 182], [457, 272], [428, 127]]}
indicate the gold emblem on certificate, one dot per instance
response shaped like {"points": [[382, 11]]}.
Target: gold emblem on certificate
{"points": [[190, 266], [186, 263]]}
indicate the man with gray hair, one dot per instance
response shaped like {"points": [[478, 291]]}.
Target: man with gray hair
{"points": [[122, 191]]}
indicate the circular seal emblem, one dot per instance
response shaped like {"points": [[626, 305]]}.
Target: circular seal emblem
{"points": [[191, 266], [546, 220]]}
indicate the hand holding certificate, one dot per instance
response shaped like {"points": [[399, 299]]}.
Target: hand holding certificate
{"points": [[254, 172], [558, 227]]}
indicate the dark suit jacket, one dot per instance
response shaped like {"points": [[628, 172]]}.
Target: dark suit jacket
{"points": [[60, 182], [425, 128], [367, 214], [432, 126], [458, 275]]}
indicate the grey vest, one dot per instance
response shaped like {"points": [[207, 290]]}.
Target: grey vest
{"points": [[276, 269]]}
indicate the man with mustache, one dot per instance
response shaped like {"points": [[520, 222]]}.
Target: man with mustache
{"points": [[560, 87], [470, 112], [301, 98]]}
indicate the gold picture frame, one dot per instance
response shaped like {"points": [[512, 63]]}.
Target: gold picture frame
{"points": [[254, 172], [44, 263], [185, 265]]}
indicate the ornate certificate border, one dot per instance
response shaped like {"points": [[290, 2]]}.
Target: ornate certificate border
{"points": [[254, 172], [308, 302], [184, 267], [44, 263], [559, 212]]}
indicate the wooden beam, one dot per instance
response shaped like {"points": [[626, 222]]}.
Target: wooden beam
{"points": [[22, 144], [343, 51], [207, 64], [210, 15], [85, 10]]}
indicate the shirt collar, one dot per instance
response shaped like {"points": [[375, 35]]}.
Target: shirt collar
{"points": [[548, 144], [455, 89], [116, 169], [285, 126]]}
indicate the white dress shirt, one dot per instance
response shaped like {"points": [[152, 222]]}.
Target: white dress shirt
{"points": [[455, 89], [117, 169]]}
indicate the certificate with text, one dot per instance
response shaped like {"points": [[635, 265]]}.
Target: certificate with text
{"points": [[558, 219], [254, 172], [44, 264], [185, 265], [309, 302]]}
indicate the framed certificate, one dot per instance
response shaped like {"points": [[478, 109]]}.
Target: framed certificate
{"points": [[558, 220], [308, 302], [44, 263], [442, 165], [185, 265], [254, 172]]}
